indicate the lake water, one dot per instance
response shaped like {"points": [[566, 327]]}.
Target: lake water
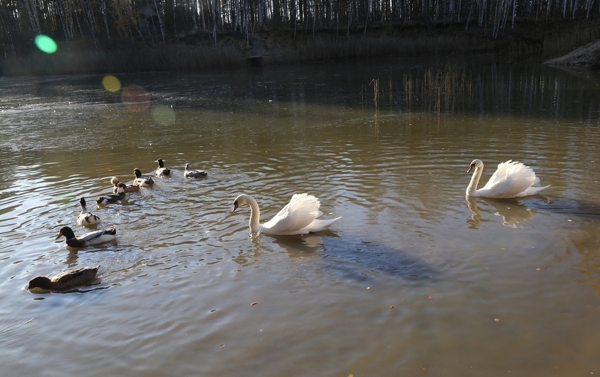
{"points": [[413, 280]]}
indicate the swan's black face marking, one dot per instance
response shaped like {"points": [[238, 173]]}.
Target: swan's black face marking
{"points": [[235, 205]]}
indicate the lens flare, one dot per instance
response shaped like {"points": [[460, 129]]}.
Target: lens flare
{"points": [[111, 83], [46, 44], [135, 98], [163, 115]]}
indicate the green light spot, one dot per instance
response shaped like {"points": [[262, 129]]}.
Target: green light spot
{"points": [[45, 43], [163, 115]]}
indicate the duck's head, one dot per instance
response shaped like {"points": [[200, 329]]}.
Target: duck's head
{"points": [[66, 232], [114, 181], [82, 202], [474, 165], [187, 167], [121, 188], [161, 163], [137, 172], [39, 282]]}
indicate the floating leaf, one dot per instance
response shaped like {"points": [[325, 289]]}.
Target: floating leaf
{"points": [[496, 319], [423, 367], [254, 303], [430, 297]]}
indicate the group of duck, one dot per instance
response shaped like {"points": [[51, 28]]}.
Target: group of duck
{"points": [[84, 275], [512, 179]]}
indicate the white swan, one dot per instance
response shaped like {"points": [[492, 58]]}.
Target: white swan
{"points": [[511, 180], [299, 216]]}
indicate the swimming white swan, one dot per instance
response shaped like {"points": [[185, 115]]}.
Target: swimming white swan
{"points": [[511, 180], [299, 216]]}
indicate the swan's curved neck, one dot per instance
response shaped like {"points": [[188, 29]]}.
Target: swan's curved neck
{"points": [[472, 188], [254, 214]]}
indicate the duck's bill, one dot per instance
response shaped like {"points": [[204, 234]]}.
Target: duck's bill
{"points": [[59, 235]]}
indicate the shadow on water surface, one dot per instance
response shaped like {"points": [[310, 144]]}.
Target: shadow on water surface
{"points": [[356, 259], [566, 206], [517, 211]]}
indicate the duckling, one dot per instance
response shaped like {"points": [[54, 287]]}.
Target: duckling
{"points": [[64, 280], [91, 238], [128, 188], [113, 198], [189, 173], [86, 218], [161, 170], [142, 182]]}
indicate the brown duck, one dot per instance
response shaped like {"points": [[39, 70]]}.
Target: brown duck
{"points": [[64, 280], [128, 188]]}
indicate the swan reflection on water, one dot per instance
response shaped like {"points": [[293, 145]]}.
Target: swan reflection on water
{"points": [[513, 212]]}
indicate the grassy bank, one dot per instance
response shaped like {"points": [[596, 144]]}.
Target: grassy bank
{"points": [[199, 51]]}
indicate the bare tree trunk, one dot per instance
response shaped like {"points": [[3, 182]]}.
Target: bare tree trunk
{"points": [[34, 20], [105, 17], [160, 22]]}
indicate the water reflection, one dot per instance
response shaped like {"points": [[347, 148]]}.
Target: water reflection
{"points": [[514, 214], [305, 246]]}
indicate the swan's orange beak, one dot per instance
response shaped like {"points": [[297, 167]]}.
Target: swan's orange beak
{"points": [[234, 206], [470, 168]]}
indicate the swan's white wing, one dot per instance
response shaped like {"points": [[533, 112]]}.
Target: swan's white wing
{"points": [[318, 225], [532, 191], [511, 179], [302, 210]]}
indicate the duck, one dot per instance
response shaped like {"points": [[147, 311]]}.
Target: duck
{"points": [[189, 173], [65, 280], [141, 182], [86, 218], [512, 179], [91, 238], [299, 216], [128, 188], [161, 170], [113, 198]]}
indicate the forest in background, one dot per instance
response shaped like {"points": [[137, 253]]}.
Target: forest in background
{"points": [[186, 35]]}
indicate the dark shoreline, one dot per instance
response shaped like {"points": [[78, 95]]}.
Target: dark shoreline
{"points": [[199, 51]]}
